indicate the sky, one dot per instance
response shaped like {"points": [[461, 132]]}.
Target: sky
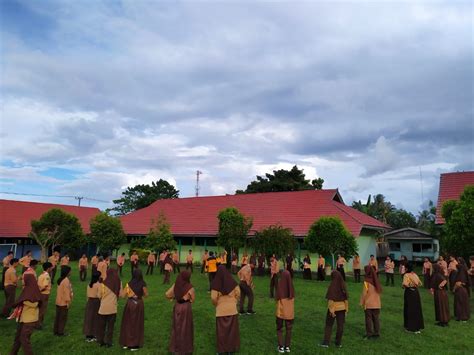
{"points": [[374, 97]]}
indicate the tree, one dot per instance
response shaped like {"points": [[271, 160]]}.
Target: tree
{"points": [[379, 208], [56, 227], [399, 218], [140, 196], [233, 229], [160, 236], [274, 240], [283, 180], [426, 220], [458, 233], [328, 235], [107, 232]]}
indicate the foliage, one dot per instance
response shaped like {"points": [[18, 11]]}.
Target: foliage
{"points": [[142, 254], [107, 232], [233, 228], [274, 240], [399, 218], [283, 180], [426, 220], [329, 236], [140, 196], [458, 238], [379, 208], [57, 228], [160, 237]]}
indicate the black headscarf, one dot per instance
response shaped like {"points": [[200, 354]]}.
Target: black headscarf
{"points": [[65, 270], [337, 290], [94, 278], [137, 283], [223, 281]]}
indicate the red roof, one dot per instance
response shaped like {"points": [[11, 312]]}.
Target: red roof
{"points": [[296, 210], [451, 186], [16, 216]]}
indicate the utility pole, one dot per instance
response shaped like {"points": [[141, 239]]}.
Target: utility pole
{"points": [[79, 198], [198, 172]]}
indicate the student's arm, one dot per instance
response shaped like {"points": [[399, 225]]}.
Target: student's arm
{"points": [[363, 296], [145, 292], [331, 308], [214, 297], [346, 303], [170, 293], [192, 295], [237, 293], [123, 292]]}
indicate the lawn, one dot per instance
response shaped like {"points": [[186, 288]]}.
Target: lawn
{"points": [[258, 331]]}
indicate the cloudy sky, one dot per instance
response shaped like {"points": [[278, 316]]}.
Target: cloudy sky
{"points": [[100, 95]]}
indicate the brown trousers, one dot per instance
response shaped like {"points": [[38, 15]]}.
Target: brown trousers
{"points": [[149, 270], [22, 338], [340, 319], [3, 278], [105, 328], [60, 320], [372, 322], [120, 269], [43, 307], [357, 275], [288, 325], [83, 273], [189, 266], [10, 293], [273, 285], [52, 274], [166, 279], [246, 291]]}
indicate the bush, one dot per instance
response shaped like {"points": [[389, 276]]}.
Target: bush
{"points": [[142, 254]]}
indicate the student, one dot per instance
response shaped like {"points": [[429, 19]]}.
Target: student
{"points": [[102, 267], [274, 270], [233, 264], [168, 267], [412, 312], [471, 271], [321, 265], [176, 262], [54, 260], [91, 317], [25, 261], [29, 301], [338, 306], [10, 283], [203, 261], [132, 330], [246, 288], [189, 261], [211, 267], [151, 263], [289, 264], [427, 273], [356, 267], [83, 265], [108, 294], [65, 260], [370, 300], [6, 265], [341, 261], [389, 267], [285, 310], [307, 267], [182, 328], [374, 263], [31, 269], [444, 265], [95, 262], [225, 294], [133, 261], [120, 263], [44, 285], [452, 271], [402, 267], [261, 265], [64, 297], [439, 286], [462, 291]]}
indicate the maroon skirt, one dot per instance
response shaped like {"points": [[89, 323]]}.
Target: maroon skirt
{"points": [[91, 318], [182, 329], [227, 334], [441, 306], [462, 309], [132, 330]]}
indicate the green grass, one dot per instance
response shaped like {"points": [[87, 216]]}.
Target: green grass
{"points": [[258, 334]]}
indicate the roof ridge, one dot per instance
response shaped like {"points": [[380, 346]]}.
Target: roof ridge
{"points": [[46, 203]]}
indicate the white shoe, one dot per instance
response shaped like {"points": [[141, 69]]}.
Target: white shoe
{"points": [[287, 349], [281, 349]]}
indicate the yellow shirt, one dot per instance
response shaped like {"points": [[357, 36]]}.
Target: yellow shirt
{"points": [[10, 277], [30, 312], [211, 265], [226, 305], [64, 293], [44, 283]]}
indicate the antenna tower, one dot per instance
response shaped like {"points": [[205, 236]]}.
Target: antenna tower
{"points": [[198, 172]]}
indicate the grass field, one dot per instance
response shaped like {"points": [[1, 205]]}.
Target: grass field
{"points": [[258, 334]]}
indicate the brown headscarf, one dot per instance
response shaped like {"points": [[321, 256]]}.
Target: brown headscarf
{"points": [[30, 292], [463, 276], [113, 281], [437, 277], [285, 287], [223, 281], [337, 290], [372, 278], [182, 285], [137, 283]]}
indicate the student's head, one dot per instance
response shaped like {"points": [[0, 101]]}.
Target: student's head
{"points": [[410, 267], [441, 258], [356, 254], [134, 252], [47, 266], [33, 263], [14, 262], [461, 261], [206, 251], [97, 255], [371, 256], [65, 272], [28, 253], [106, 257], [66, 255], [10, 254], [338, 255], [211, 253], [427, 259], [123, 254], [190, 251], [388, 257], [84, 256]]}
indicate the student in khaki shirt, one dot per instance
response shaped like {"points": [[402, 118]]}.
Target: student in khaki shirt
{"points": [[321, 265], [44, 284], [274, 270], [176, 262], [10, 284], [203, 260], [64, 297], [102, 267], [225, 294], [120, 263], [109, 293], [374, 263], [189, 261], [151, 263], [25, 261], [389, 270], [91, 319], [54, 260], [83, 265], [356, 267], [370, 300], [285, 310], [246, 288], [29, 299], [168, 267], [6, 265], [133, 261]]}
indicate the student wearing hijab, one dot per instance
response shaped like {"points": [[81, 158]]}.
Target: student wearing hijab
{"points": [[10, 283], [321, 265], [64, 297], [182, 328], [338, 306], [427, 266], [225, 294], [168, 267], [261, 265], [44, 284], [307, 267], [462, 291], [91, 318], [412, 312], [356, 267], [132, 330], [340, 263], [370, 300], [439, 287], [108, 294], [285, 310], [289, 263], [274, 270], [28, 305]]}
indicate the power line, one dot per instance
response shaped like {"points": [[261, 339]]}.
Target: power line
{"points": [[60, 196]]}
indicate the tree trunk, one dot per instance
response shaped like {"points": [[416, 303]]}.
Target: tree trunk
{"points": [[44, 253], [333, 264]]}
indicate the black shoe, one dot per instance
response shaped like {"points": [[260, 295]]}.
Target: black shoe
{"points": [[242, 313], [323, 345], [251, 312]]}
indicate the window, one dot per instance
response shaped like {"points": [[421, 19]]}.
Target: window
{"points": [[394, 246], [416, 247], [426, 247]]}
